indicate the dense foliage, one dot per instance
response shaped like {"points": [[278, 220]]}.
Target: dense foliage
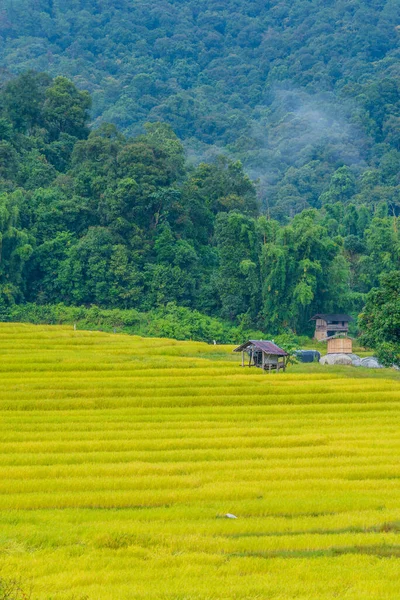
{"points": [[170, 321], [295, 89], [98, 218], [380, 319]]}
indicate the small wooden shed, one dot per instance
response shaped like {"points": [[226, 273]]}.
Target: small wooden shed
{"points": [[340, 345], [263, 354]]}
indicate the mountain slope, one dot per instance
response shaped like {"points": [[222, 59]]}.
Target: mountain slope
{"points": [[281, 85]]}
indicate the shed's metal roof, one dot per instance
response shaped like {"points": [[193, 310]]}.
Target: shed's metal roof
{"points": [[264, 345], [333, 317]]}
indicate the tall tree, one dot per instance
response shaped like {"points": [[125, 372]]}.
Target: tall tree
{"points": [[238, 278], [380, 319]]}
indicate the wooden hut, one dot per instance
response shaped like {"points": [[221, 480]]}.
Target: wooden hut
{"points": [[340, 345], [263, 354], [327, 326]]}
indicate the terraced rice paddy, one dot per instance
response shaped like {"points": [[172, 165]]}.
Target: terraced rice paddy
{"points": [[120, 456]]}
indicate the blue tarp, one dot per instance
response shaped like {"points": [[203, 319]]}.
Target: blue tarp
{"points": [[307, 356]]}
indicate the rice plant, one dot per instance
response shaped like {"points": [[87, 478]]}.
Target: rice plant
{"points": [[121, 456]]}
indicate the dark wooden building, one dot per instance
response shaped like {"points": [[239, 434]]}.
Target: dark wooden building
{"points": [[327, 326], [263, 354]]}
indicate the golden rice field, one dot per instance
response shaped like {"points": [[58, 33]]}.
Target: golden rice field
{"points": [[120, 456]]}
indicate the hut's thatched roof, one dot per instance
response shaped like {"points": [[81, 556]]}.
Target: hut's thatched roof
{"points": [[263, 345]]}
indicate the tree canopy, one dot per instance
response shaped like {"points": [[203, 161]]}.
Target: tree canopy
{"points": [[304, 93], [89, 216], [380, 319]]}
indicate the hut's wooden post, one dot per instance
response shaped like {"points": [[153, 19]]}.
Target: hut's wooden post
{"points": [[263, 361]]}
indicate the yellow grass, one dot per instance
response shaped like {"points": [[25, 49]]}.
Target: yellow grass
{"points": [[120, 456]]}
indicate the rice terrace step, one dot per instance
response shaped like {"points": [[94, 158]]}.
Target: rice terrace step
{"points": [[121, 457]]}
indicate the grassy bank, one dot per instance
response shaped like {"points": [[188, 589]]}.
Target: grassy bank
{"points": [[170, 321]]}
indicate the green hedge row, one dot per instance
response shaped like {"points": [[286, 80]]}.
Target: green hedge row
{"points": [[171, 321]]}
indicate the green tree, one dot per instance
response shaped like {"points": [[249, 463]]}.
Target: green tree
{"points": [[66, 110], [22, 100], [238, 279], [225, 187], [15, 249], [380, 319], [302, 272]]}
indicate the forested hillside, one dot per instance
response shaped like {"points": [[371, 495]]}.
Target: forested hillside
{"points": [[295, 89], [94, 217]]}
